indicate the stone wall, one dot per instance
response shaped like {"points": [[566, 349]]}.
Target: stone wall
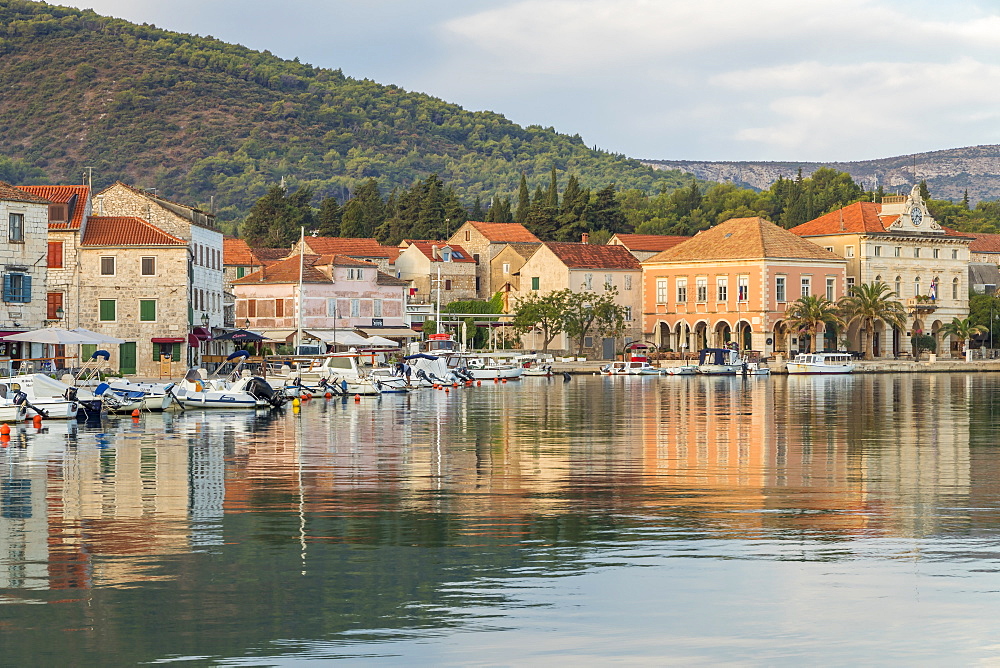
{"points": [[28, 258]]}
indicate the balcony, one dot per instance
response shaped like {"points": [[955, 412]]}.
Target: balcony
{"points": [[921, 305]]}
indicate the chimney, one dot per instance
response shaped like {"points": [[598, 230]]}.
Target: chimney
{"points": [[585, 238], [434, 252]]}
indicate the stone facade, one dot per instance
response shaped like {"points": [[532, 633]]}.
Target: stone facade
{"points": [[167, 289], [23, 245], [458, 278], [205, 247], [484, 241]]}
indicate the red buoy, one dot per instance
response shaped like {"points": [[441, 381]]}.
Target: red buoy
{"points": [[5, 429], [135, 413]]}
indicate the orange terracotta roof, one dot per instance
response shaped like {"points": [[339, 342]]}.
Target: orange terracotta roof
{"points": [[383, 278], [11, 193], [287, 271], [237, 252], [593, 256], [269, 256], [504, 232], [984, 243], [857, 218], [649, 242], [744, 239], [343, 261], [74, 197], [355, 247], [426, 247], [125, 231]]}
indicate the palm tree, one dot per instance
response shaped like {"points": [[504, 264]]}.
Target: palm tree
{"points": [[868, 303], [963, 329], [806, 314]]}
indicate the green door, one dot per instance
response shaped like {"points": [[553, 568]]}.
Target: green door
{"points": [[126, 357], [86, 350]]}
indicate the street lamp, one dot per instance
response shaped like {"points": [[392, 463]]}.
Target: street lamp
{"points": [[246, 325], [204, 320], [60, 313]]}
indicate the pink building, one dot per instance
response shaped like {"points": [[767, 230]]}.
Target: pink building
{"points": [[338, 293], [733, 282]]}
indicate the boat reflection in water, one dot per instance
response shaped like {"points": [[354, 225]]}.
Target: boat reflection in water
{"points": [[383, 527]]}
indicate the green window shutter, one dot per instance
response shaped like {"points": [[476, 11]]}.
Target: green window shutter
{"points": [[107, 310], [156, 352], [147, 310], [86, 350], [241, 272], [534, 282], [176, 352]]}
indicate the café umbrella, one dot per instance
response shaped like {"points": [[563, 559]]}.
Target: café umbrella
{"points": [[56, 336], [242, 336], [98, 337]]}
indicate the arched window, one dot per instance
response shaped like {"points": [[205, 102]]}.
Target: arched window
{"points": [[954, 288], [916, 286], [899, 287]]}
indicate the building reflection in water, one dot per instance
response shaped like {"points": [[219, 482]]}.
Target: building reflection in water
{"points": [[740, 458]]}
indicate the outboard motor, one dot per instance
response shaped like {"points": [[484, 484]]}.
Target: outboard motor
{"points": [[259, 389], [70, 394]]}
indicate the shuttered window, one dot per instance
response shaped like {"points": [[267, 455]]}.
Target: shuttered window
{"points": [[55, 259], [147, 310], [53, 302], [15, 227], [107, 310], [108, 266], [279, 308], [17, 288], [149, 266], [172, 349]]}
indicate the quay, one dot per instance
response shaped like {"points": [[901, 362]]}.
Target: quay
{"points": [[861, 366]]}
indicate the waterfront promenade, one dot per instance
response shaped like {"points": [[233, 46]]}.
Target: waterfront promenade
{"points": [[862, 366]]}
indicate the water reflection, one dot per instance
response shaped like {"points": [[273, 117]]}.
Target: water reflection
{"points": [[218, 534]]}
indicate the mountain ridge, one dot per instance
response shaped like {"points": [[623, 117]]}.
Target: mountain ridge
{"points": [[949, 172]]}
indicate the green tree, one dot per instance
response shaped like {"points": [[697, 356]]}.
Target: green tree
{"points": [[523, 201], [543, 312], [808, 314], [364, 212], [867, 304], [586, 312], [962, 329], [328, 220], [275, 219], [477, 212], [605, 212], [984, 309]]}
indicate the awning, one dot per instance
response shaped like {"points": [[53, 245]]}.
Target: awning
{"points": [[278, 334], [401, 332], [340, 337], [201, 333], [6, 334], [380, 342], [167, 339]]}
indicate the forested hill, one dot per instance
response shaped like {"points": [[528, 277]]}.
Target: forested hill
{"points": [[195, 117]]}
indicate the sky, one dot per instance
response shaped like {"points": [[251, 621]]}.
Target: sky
{"points": [[823, 80]]}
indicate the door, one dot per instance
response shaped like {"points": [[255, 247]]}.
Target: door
{"points": [[608, 349], [126, 357], [86, 351]]}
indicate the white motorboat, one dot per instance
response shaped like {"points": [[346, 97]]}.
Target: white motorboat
{"points": [[538, 370], [239, 389], [685, 370], [145, 396], [427, 370], [483, 367], [719, 362], [632, 368], [45, 396], [817, 363]]}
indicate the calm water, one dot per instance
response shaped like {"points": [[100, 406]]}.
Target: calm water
{"points": [[604, 520]]}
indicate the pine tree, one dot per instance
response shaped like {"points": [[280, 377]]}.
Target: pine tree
{"points": [[364, 212], [606, 212], [523, 201], [328, 220], [477, 213], [924, 191], [965, 200], [276, 218], [552, 196]]}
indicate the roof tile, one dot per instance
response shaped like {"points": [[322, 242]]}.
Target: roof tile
{"points": [[744, 239], [593, 256], [504, 232], [427, 248], [984, 243], [649, 242], [356, 247], [11, 193], [75, 197], [125, 231], [237, 252]]}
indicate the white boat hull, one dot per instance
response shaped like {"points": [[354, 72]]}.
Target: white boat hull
{"points": [[688, 370], [816, 369], [13, 413], [55, 410], [720, 369]]}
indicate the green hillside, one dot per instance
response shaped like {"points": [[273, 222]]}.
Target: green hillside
{"points": [[196, 118]]}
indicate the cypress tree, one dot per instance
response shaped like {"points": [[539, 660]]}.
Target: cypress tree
{"points": [[552, 196], [328, 220], [477, 212], [523, 201]]}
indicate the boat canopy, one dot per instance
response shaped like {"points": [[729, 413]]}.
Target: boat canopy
{"points": [[715, 356]]}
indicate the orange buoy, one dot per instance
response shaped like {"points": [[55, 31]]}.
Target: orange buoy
{"points": [[496, 380], [479, 382], [328, 395], [357, 398], [5, 429], [135, 413], [37, 420], [504, 380], [454, 384], [447, 389]]}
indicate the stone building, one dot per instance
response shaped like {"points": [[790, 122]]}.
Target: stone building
{"points": [[898, 243], [23, 245], [484, 241], [505, 272], [205, 246], [133, 284], [238, 260], [422, 263], [69, 210], [732, 283], [586, 268]]}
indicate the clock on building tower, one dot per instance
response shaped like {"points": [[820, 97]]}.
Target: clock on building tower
{"points": [[916, 215]]}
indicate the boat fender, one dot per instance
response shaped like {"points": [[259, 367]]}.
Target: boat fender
{"points": [[197, 386]]}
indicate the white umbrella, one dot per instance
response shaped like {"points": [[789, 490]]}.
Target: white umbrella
{"points": [[97, 336], [381, 342], [54, 336]]}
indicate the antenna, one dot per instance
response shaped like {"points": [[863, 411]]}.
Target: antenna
{"points": [[90, 177]]}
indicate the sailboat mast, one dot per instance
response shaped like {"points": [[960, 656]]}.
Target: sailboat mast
{"points": [[298, 297]]}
